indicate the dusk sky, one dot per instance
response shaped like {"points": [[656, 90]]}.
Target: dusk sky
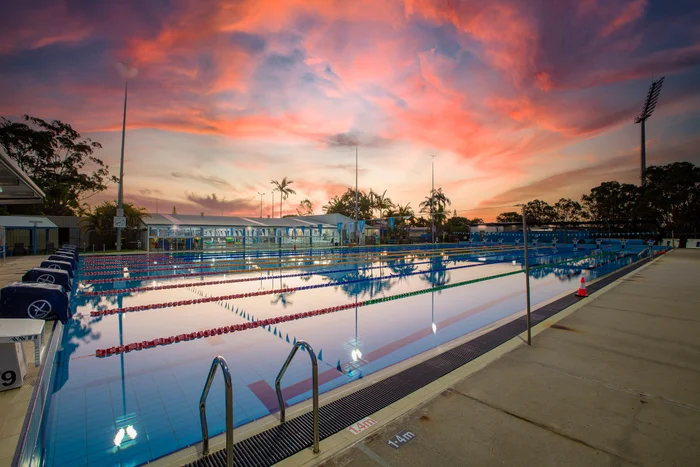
{"points": [[516, 99]]}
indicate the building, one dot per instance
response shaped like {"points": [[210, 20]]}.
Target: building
{"points": [[174, 232]]}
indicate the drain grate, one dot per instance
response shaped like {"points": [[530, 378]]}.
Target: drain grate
{"points": [[284, 440]]}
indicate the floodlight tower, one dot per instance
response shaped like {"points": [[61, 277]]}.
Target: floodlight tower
{"points": [[647, 110]]}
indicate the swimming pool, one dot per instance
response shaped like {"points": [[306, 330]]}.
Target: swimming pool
{"points": [[123, 396]]}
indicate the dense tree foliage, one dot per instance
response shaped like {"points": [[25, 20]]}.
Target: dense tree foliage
{"points": [[58, 160], [306, 208], [672, 196], [345, 205], [100, 219]]}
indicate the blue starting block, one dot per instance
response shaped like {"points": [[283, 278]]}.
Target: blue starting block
{"points": [[49, 276], [52, 264], [34, 301]]}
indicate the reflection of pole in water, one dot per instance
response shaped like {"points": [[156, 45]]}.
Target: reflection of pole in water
{"points": [[432, 309], [121, 355]]}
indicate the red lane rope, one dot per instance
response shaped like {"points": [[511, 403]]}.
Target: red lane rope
{"points": [[161, 341]]}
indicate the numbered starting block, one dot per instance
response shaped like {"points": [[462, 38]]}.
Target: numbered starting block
{"points": [[34, 301], [13, 365], [65, 257], [53, 264], [49, 276]]}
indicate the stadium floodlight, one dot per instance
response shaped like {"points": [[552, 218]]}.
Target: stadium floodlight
{"points": [[647, 110]]}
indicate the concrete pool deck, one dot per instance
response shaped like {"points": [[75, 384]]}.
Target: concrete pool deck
{"points": [[613, 380], [15, 402]]}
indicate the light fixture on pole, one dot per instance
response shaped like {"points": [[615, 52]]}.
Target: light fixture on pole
{"points": [[647, 110], [272, 204], [261, 195], [126, 72]]}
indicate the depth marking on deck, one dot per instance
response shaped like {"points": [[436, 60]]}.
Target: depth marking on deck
{"points": [[362, 425]]}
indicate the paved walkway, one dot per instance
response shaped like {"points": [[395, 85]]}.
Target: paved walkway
{"points": [[615, 383], [14, 403]]}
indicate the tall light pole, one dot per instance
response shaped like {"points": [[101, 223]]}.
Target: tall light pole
{"points": [[272, 204], [261, 195], [126, 72], [357, 236], [647, 110], [432, 199]]}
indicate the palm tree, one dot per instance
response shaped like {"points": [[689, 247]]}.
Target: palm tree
{"points": [[435, 204], [283, 188], [382, 202]]}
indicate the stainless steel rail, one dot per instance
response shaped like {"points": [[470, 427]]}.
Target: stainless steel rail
{"points": [[314, 369], [218, 361]]}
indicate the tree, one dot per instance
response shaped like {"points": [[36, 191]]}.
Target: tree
{"points": [[672, 196], [404, 216], [174, 210], [55, 157], [568, 210], [100, 219], [345, 205], [436, 203], [284, 189], [510, 216], [306, 208], [612, 201], [539, 212], [380, 202]]}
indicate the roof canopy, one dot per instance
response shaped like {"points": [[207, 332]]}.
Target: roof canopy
{"points": [[26, 222], [15, 186], [221, 221]]}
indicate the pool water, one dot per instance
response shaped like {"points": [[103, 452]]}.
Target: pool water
{"points": [[133, 407]]}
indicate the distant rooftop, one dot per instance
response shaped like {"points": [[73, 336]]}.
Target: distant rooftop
{"points": [[227, 221]]}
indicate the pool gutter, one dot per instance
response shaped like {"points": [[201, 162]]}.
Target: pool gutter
{"points": [[25, 453]]}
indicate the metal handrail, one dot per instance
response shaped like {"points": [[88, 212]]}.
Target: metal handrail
{"points": [[314, 369], [218, 361]]}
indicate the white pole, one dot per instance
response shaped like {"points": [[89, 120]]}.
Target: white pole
{"points": [[357, 236], [120, 195]]}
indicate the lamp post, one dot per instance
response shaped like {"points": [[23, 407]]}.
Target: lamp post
{"points": [[272, 204], [127, 72], [261, 195], [432, 199], [647, 110], [357, 235]]}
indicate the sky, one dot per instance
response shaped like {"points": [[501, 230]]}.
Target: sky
{"points": [[517, 100]]}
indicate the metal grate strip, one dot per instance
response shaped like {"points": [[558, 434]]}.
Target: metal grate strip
{"points": [[282, 441]]}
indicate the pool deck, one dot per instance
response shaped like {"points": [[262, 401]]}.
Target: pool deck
{"points": [[15, 402], [613, 380]]}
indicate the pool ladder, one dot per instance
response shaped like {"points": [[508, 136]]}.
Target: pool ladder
{"points": [[221, 362], [218, 361], [314, 370]]}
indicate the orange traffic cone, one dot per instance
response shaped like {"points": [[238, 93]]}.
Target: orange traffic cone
{"points": [[582, 289]]}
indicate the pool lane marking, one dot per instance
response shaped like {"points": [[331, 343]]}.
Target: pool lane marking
{"points": [[137, 346], [279, 268], [294, 259]]}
